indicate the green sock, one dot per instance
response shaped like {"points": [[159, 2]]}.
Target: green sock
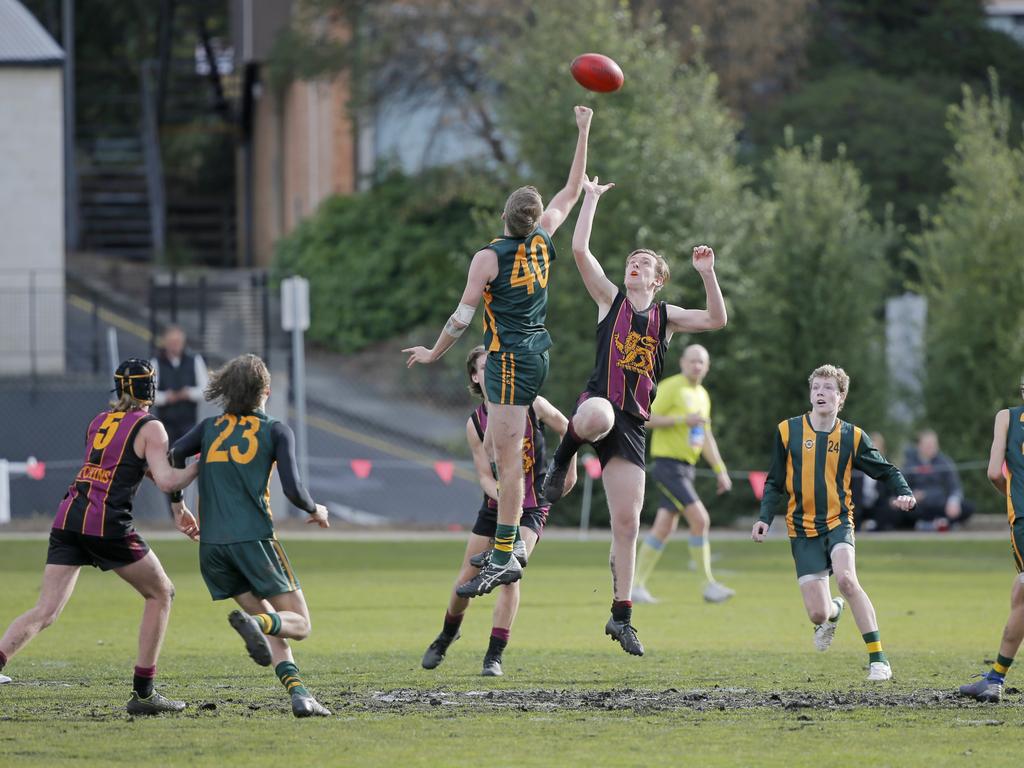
{"points": [[270, 623], [288, 673], [504, 537], [873, 640], [1000, 668], [700, 554], [646, 558]]}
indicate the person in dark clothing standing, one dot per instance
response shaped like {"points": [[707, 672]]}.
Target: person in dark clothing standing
{"points": [[936, 483], [181, 377]]}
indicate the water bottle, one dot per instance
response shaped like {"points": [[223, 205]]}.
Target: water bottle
{"points": [[697, 436]]}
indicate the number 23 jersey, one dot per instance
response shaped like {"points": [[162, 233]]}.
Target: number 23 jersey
{"points": [[238, 454], [516, 301]]}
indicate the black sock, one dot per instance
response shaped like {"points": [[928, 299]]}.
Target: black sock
{"points": [[499, 639], [3, 660], [142, 681], [451, 625], [566, 449], [622, 610]]}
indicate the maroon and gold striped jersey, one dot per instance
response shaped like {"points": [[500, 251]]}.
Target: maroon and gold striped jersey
{"points": [[631, 347], [99, 501]]}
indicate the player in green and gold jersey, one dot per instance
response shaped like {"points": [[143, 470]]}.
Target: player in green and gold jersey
{"points": [[1006, 472], [511, 276], [681, 425], [239, 554], [813, 458]]}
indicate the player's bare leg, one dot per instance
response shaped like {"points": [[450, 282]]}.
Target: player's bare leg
{"points": [[505, 427], [624, 487], [58, 585], [845, 569], [822, 609], [148, 578], [594, 418], [288, 617]]}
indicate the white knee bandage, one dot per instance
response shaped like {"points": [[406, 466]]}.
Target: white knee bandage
{"points": [[819, 576]]}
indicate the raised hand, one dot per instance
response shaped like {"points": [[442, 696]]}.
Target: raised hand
{"points": [[583, 116], [594, 188], [703, 258]]}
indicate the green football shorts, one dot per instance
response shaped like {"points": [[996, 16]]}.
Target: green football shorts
{"points": [[514, 378], [260, 567], [814, 555]]}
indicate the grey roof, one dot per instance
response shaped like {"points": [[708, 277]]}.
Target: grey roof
{"points": [[23, 41]]}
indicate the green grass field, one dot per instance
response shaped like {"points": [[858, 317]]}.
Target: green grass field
{"points": [[736, 684]]}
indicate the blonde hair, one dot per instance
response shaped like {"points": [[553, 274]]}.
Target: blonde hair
{"points": [[126, 403], [829, 371], [661, 269], [522, 211], [239, 386]]}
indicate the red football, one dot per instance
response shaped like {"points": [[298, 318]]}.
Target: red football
{"points": [[596, 72]]}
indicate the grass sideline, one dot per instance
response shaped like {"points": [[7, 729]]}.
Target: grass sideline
{"points": [[721, 685]]}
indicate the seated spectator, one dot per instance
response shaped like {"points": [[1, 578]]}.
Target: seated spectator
{"points": [[870, 499], [936, 485]]}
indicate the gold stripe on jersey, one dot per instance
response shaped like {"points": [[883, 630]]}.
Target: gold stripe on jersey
{"points": [[489, 320], [790, 497], [1011, 512], [120, 456], [831, 473], [807, 479]]}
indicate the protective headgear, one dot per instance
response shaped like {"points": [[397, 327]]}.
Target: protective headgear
{"points": [[135, 377]]}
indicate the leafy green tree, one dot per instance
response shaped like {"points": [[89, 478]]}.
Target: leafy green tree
{"points": [[893, 130], [382, 262], [969, 255], [812, 293]]}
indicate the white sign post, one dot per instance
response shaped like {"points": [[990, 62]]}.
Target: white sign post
{"points": [[295, 318]]}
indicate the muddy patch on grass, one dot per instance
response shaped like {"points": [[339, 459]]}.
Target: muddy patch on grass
{"points": [[671, 699]]}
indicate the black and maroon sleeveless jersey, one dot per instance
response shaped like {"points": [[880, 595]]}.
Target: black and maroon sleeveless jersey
{"points": [[99, 502], [533, 457], [631, 349]]}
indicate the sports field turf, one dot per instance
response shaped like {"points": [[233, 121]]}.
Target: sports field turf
{"points": [[732, 684]]}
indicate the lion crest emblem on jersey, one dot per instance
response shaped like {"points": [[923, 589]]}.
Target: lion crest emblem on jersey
{"points": [[637, 353], [528, 460]]}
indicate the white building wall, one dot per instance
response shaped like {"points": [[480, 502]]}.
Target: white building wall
{"points": [[31, 220]]}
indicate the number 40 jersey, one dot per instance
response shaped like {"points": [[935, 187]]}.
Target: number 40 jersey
{"points": [[516, 301], [237, 453]]}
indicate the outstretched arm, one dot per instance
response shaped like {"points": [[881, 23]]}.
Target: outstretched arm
{"points": [[560, 205], [601, 289], [710, 319], [154, 450], [997, 454], [482, 270]]}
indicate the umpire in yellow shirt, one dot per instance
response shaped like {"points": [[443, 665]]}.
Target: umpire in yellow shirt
{"points": [[681, 425]]}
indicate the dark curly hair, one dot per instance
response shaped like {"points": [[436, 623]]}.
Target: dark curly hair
{"points": [[239, 385]]}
